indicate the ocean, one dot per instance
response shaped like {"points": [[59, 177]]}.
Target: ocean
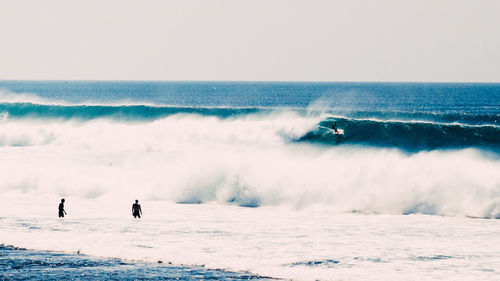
{"points": [[247, 180]]}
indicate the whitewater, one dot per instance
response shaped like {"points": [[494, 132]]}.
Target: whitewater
{"points": [[411, 190]]}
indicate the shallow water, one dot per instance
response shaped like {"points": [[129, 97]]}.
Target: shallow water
{"points": [[22, 264], [267, 241]]}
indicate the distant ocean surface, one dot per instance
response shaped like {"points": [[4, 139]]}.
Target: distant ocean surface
{"points": [[250, 177]]}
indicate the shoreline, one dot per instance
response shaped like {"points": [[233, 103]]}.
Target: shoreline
{"points": [[18, 263]]}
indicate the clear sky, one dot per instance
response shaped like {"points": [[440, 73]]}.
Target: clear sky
{"points": [[284, 40]]}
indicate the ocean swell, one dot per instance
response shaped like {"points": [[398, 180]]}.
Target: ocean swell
{"points": [[115, 112]]}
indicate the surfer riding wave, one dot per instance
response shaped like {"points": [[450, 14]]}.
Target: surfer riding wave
{"points": [[334, 128]]}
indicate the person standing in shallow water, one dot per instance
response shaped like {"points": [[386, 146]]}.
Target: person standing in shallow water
{"points": [[136, 209], [62, 212]]}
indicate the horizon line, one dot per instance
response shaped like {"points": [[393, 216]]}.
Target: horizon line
{"points": [[250, 81]]}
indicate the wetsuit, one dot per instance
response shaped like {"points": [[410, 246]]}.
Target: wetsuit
{"points": [[61, 210], [136, 210], [334, 128]]}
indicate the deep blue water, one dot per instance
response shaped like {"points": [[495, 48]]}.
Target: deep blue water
{"points": [[408, 97]]}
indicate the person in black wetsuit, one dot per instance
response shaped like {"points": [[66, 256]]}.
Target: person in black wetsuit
{"points": [[62, 212], [334, 128], [136, 209]]}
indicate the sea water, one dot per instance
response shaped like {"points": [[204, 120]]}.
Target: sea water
{"points": [[248, 179]]}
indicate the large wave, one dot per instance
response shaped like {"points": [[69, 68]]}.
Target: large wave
{"points": [[410, 136], [249, 157], [404, 130]]}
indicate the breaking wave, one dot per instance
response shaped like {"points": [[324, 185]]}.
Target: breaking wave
{"points": [[407, 131], [253, 157], [406, 135]]}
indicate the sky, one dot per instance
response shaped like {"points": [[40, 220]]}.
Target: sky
{"points": [[257, 40]]}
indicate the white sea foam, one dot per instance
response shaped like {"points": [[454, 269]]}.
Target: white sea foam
{"points": [[249, 161], [300, 245], [303, 226]]}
